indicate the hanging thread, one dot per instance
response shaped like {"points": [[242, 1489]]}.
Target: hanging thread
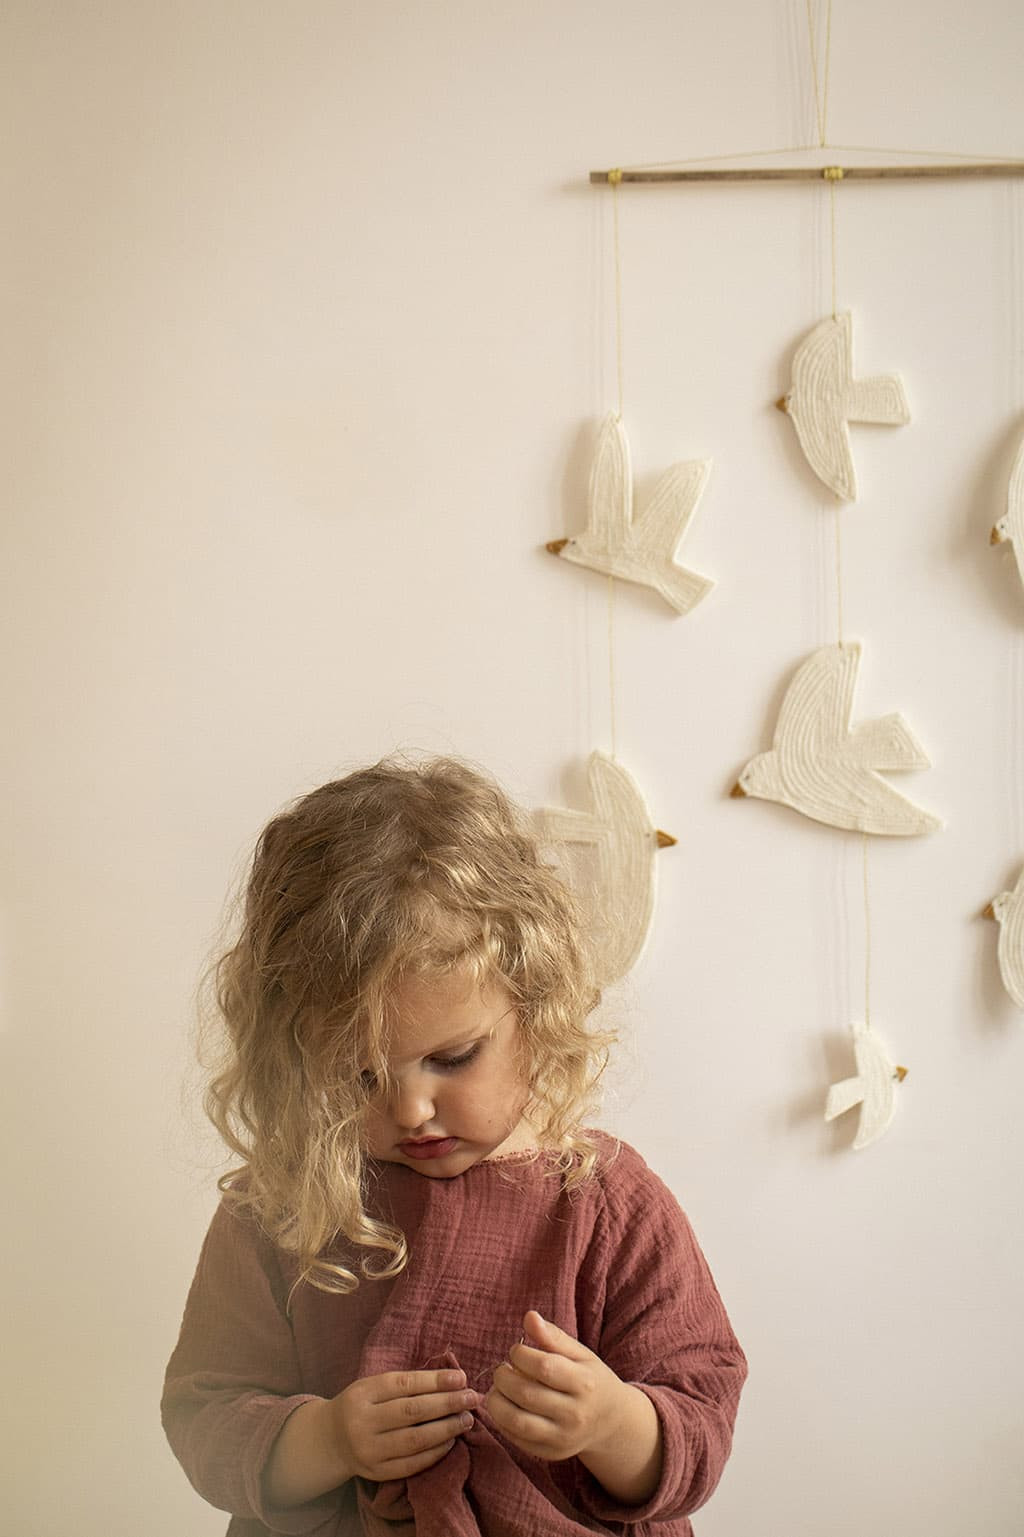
{"points": [[1015, 391], [832, 201], [611, 659], [615, 178], [820, 96], [839, 573], [867, 937]]}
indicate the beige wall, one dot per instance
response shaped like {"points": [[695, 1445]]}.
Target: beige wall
{"points": [[306, 332]]}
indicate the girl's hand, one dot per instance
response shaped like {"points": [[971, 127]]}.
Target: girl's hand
{"points": [[556, 1401], [398, 1423]]}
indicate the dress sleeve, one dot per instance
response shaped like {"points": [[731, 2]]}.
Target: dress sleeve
{"points": [[666, 1331], [234, 1378]]}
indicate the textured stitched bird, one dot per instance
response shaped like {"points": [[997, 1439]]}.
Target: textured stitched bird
{"points": [[639, 548], [823, 769], [824, 397]]}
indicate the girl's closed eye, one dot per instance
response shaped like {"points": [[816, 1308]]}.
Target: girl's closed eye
{"points": [[451, 1064]]}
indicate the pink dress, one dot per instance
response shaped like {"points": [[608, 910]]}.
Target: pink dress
{"points": [[613, 1263]]}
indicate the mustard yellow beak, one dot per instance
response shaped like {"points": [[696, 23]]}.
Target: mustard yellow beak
{"points": [[665, 840], [900, 1074], [782, 404], [995, 537], [990, 911], [556, 546], [737, 792]]}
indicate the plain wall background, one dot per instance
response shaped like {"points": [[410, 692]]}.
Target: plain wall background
{"points": [[308, 330]]}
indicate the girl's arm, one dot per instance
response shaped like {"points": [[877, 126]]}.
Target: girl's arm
{"points": [[305, 1460], [233, 1383], [628, 1463], [666, 1333], [250, 1439]]}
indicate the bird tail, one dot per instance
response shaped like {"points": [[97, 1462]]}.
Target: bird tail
{"points": [[682, 588], [842, 1097], [877, 400], [887, 743], [558, 825]]}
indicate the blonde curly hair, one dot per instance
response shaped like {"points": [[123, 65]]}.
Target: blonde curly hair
{"points": [[397, 870]]}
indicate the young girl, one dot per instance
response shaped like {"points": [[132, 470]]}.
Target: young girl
{"points": [[431, 1302]]}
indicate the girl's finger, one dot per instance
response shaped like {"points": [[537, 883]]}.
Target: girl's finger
{"points": [[533, 1432], [410, 1384], [550, 1337], [541, 1366], [526, 1394], [397, 1412], [417, 1439], [405, 1467]]}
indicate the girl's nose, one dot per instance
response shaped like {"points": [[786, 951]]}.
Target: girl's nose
{"points": [[414, 1105]]}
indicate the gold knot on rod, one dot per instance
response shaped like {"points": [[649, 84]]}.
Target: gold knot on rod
{"points": [[614, 177], [832, 172]]}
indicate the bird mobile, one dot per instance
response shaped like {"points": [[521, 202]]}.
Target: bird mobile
{"points": [[873, 1088], [1008, 911], [825, 397], [824, 769], [1010, 528], [618, 828], [639, 547]]}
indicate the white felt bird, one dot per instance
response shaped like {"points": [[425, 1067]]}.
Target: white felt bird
{"points": [[874, 1087], [619, 829], [639, 549], [1010, 528], [1008, 911], [827, 771], [825, 396]]}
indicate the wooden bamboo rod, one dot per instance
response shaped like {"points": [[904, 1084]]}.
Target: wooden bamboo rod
{"points": [[821, 173]]}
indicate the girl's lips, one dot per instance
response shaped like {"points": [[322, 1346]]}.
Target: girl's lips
{"points": [[434, 1147]]}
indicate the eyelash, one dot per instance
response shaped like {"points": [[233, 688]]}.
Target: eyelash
{"points": [[446, 1065], [449, 1064]]}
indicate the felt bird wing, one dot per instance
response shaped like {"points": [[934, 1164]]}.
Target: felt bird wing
{"points": [[873, 1088], [619, 831], [822, 769], [825, 397], [1008, 911], [639, 548], [1010, 528]]}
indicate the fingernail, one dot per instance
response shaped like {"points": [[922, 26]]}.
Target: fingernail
{"points": [[455, 1379], [465, 1420]]}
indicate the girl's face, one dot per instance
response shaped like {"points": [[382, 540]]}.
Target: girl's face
{"points": [[459, 1092]]}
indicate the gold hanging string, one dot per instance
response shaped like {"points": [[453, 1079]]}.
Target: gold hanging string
{"points": [[832, 202], [611, 660], [968, 157], [970, 161], [820, 96], [1015, 280], [839, 572], [615, 180], [867, 936]]}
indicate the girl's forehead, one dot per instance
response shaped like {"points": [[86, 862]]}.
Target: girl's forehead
{"points": [[429, 1014]]}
